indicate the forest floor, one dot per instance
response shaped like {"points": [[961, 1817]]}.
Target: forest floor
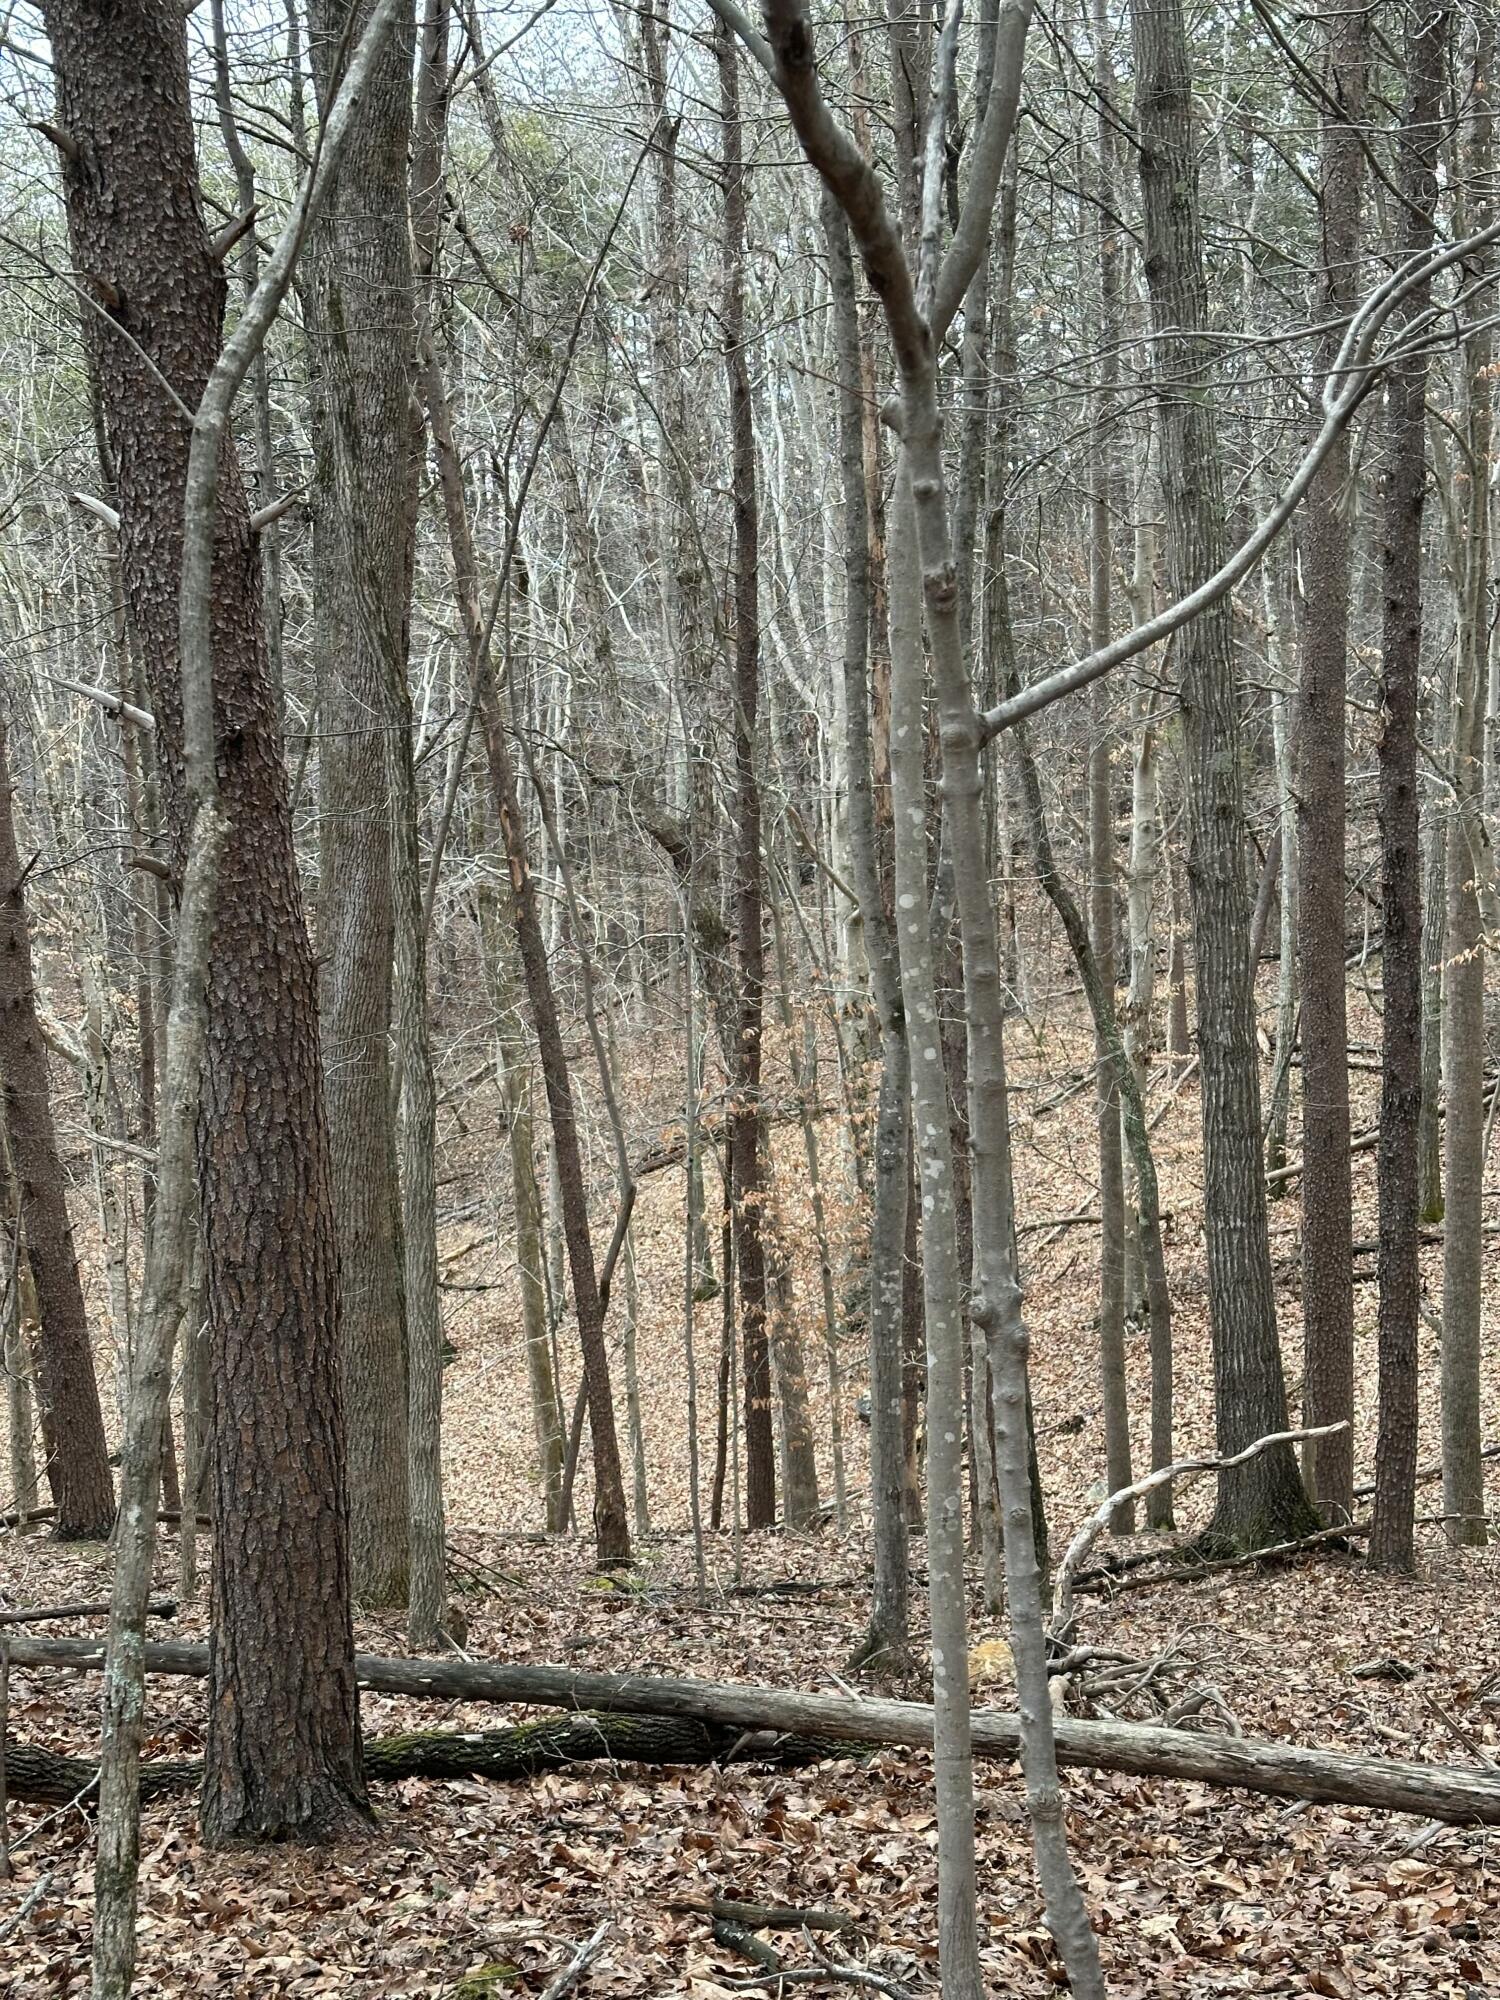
{"points": [[473, 1891]]}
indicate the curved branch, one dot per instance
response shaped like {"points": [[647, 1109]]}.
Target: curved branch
{"points": [[1355, 369]]}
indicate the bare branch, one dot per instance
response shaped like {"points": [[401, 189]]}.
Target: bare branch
{"points": [[114, 704], [1099, 1520], [231, 233], [100, 509], [273, 510], [1355, 369]]}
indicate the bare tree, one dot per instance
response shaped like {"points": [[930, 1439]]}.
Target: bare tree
{"points": [[283, 1732], [1327, 1229], [1262, 1500], [77, 1462], [1392, 1536], [357, 283]]}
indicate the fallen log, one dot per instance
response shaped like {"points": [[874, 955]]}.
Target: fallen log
{"points": [[45, 1777], [1281, 1770], [43, 1614]]}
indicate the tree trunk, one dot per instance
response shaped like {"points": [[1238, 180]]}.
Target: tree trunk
{"points": [[1469, 872], [1434, 934], [1279, 1110], [1114, 1389], [941, 1290], [799, 1459], [43, 1777], [1133, 1110], [358, 290], [417, 1136], [747, 1164], [888, 1638], [1178, 1044], [1262, 1501], [514, 1077], [1392, 1543], [72, 1422], [283, 1730], [1327, 1222], [18, 1325]]}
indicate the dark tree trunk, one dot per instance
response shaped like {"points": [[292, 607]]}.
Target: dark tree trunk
{"points": [[283, 1729], [745, 1138], [358, 297], [1262, 1501], [1327, 1228], [552, 1744], [72, 1422], [1391, 1537]]}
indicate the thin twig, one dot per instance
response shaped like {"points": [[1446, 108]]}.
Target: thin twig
{"points": [[34, 1895], [564, 1981]]}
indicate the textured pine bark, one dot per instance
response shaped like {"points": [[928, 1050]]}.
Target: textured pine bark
{"points": [[1262, 1501], [283, 1730], [1327, 1225], [1392, 1539], [67, 1392]]}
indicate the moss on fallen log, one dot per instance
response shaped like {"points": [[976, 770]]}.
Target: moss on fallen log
{"points": [[47, 1777]]}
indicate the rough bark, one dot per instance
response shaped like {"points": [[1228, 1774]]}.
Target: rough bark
{"points": [[72, 1421], [1327, 1222], [1392, 1540], [1263, 1500], [44, 1777], [283, 1744]]}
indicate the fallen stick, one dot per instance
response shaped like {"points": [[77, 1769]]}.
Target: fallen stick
{"points": [[33, 1896], [1179, 1565], [1428, 1475], [573, 1971], [764, 1916], [1281, 1770], [42, 1614]]}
